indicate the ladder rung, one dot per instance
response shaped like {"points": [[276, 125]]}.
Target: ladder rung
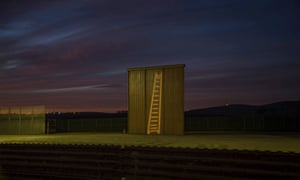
{"points": [[154, 125], [154, 131]]}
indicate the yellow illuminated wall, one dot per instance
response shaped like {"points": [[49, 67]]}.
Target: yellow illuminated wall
{"points": [[140, 87]]}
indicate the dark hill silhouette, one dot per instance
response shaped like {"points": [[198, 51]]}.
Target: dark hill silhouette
{"points": [[285, 108], [223, 110]]}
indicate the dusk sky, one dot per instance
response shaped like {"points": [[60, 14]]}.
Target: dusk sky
{"points": [[73, 55]]}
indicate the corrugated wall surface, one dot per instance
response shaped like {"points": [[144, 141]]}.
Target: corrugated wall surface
{"points": [[136, 102], [140, 85], [173, 101], [149, 88], [22, 120]]}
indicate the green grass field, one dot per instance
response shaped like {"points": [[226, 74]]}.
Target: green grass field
{"points": [[242, 141]]}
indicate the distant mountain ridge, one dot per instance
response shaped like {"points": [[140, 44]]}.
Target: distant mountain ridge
{"points": [[286, 108]]}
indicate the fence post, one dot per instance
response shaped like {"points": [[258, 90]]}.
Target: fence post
{"points": [[19, 125], [31, 122]]}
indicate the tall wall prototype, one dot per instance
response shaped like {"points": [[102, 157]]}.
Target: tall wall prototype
{"points": [[140, 87]]}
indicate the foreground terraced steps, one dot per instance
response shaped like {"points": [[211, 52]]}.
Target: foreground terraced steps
{"points": [[46, 161]]}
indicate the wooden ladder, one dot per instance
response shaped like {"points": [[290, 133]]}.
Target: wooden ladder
{"points": [[155, 106]]}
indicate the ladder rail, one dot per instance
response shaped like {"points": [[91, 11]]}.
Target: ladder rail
{"points": [[154, 117], [160, 101]]}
